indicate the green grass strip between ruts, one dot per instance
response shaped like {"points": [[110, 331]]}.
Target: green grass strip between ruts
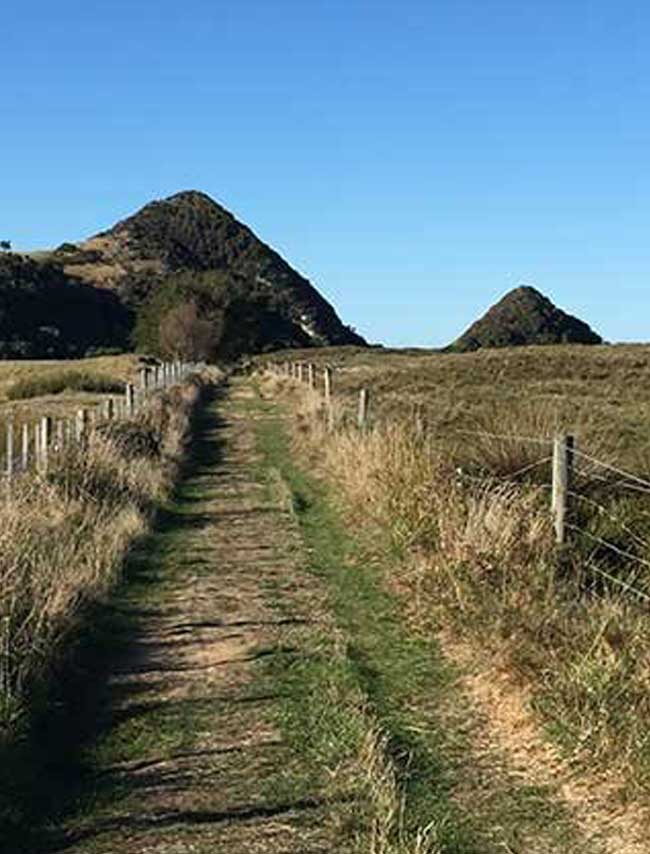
{"points": [[388, 666]]}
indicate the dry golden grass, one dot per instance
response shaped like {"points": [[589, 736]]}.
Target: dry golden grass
{"points": [[600, 393], [59, 406], [474, 532], [122, 367], [63, 535]]}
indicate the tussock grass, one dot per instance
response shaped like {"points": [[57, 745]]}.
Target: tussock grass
{"points": [[63, 537], [56, 382], [477, 551]]}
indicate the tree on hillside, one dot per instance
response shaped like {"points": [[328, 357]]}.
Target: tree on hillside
{"points": [[5, 245], [183, 334]]}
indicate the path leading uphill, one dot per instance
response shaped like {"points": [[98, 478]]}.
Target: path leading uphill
{"points": [[190, 759]]}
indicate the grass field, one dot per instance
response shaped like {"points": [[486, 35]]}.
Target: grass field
{"points": [[602, 394], [115, 369]]}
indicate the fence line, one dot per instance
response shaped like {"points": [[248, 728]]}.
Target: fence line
{"points": [[40, 439], [564, 457]]}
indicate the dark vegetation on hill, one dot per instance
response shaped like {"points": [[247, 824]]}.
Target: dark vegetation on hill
{"points": [[139, 284], [189, 248], [115, 289], [43, 314], [525, 316]]}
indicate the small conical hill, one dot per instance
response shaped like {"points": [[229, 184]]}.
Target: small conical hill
{"points": [[525, 316]]}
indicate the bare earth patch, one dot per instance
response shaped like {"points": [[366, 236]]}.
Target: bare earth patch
{"points": [[508, 725]]}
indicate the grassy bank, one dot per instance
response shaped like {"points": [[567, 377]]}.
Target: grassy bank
{"points": [[476, 560], [63, 539]]}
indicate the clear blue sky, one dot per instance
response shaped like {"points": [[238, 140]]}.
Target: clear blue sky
{"points": [[414, 159]]}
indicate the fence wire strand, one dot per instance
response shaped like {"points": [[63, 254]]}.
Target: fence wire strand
{"points": [[624, 584], [484, 434], [624, 474], [611, 546], [602, 509]]}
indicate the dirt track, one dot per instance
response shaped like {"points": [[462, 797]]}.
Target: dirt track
{"points": [[224, 600]]}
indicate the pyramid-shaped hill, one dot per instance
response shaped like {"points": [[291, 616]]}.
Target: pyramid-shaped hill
{"points": [[190, 235], [525, 316]]}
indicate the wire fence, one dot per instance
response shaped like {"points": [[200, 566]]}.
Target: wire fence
{"points": [[569, 465], [29, 444]]}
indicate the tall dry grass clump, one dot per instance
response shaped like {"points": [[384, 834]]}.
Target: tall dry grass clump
{"points": [[470, 524], [64, 535]]}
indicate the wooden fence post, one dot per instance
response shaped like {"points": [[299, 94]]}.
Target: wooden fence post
{"points": [[563, 446], [311, 375], [24, 457], [46, 441], [362, 412], [10, 448], [37, 445], [129, 398], [327, 383], [81, 424], [59, 434], [108, 409]]}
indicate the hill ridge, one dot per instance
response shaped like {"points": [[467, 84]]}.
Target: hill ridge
{"points": [[183, 249]]}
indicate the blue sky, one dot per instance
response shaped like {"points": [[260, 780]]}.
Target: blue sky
{"points": [[414, 159]]}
